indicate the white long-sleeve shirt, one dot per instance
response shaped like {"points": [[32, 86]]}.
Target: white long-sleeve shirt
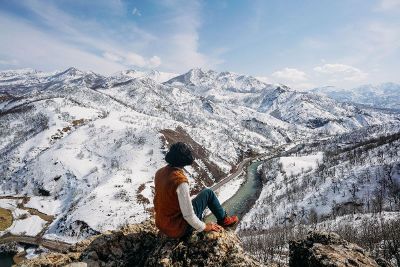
{"points": [[185, 204]]}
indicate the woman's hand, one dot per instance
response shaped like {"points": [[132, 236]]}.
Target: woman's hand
{"points": [[213, 227]]}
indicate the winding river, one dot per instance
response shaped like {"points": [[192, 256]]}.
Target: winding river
{"points": [[240, 203]]}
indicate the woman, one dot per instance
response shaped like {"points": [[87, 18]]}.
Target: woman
{"points": [[176, 215]]}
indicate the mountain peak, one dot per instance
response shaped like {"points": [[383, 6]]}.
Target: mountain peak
{"points": [[200, 70], [71, 71], [212, 80], [155, 75]]}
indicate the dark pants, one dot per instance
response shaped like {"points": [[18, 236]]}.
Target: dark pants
{"points": [[206, 198]]}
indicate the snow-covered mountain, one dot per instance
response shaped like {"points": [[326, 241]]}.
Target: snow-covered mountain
{"points": [[385, 95], [299, 108], [214, 81], [155, 75], [84, 147]]}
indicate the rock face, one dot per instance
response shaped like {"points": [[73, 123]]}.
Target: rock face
{"points": [[142, 245], [327, 249]]}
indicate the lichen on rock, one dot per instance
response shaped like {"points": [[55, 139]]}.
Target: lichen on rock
{"points": [[142, 245], [321, 249]]}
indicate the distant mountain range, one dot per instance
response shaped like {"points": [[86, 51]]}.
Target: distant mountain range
{"points": [[385, 95]]}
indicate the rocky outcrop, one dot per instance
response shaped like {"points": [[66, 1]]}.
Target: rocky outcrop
{"points": [[321, 249], [142, 245]]}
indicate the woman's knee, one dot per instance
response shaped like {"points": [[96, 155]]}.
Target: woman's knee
{"points": [[208, 191]]}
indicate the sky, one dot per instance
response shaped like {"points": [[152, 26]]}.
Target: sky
{"points": [[303, 44]]}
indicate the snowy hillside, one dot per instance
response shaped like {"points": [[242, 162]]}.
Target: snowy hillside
{"points": [[385, 95], [88, 145], [349, 184], [325, 179]]}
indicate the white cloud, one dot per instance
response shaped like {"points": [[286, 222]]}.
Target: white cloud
{"points": [[290, 74], [264, 79], [181, 41], [369, 44], [154, 61], [303, 86], [8, 62], [140, 61], [34, 48], [341, 71], [133, 60], [136, 12], [294, 78], [388, 4], [85, 38], [176, 41], [382, 38], [112, 57]]}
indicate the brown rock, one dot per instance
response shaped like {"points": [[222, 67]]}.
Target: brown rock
{"points": [[322, 249], [141, 245]]}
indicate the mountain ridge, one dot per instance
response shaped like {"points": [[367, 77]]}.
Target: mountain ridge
{"points": [[383, 95]]}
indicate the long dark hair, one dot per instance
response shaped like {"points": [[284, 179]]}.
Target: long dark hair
{"points": [[179, 155]]}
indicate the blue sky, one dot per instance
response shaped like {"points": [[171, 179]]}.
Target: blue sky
{"points": [[303, 44]]}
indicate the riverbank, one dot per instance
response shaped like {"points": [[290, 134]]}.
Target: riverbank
{"points": [[244, 198]]}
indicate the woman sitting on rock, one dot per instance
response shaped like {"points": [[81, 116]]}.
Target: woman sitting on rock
{"points": [[175, 214]]}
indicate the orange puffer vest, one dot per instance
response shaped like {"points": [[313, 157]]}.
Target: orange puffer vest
{"points": [[169, 219]]}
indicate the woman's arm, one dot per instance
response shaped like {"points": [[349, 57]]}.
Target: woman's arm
{"points": [[187, 209]]}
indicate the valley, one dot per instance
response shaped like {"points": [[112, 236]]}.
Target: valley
{"points": [[80, 151]]}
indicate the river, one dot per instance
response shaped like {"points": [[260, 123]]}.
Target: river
{"points": [[6, 260], [247, 194]]}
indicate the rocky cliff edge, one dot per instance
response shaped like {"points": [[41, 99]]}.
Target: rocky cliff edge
{"points": [[142, 245]]}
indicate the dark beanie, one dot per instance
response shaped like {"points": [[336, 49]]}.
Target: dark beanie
{"points": [[179, 155]]}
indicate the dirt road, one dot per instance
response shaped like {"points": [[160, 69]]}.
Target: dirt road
{"points": [[34, 240], [50, 244]]}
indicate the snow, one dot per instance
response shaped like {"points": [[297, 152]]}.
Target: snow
{"points": [[45, 205], [330, 185], [18, 213], [9, 204], [93, 171], [33, 252], [30, 226], [157, 76], [296, 165], [357, 219], [229, 189], [291, 166]]}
